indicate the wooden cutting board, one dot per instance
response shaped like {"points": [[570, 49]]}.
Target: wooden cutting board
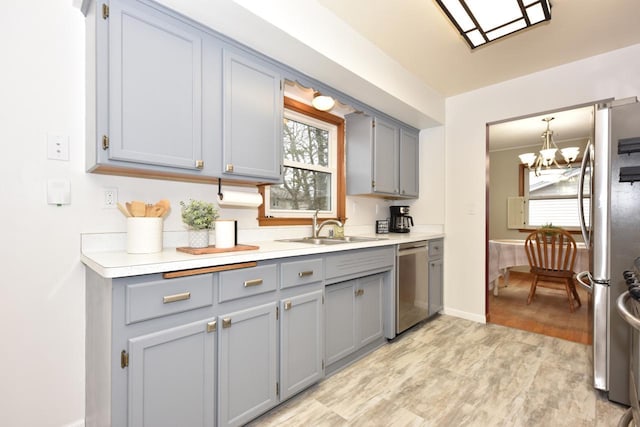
{"points": [[214, 250]]}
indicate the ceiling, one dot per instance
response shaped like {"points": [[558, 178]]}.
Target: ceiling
{"points": [[574, 125], [419, 36]]}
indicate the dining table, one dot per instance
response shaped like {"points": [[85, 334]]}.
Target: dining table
{"points": [[507, 253]]}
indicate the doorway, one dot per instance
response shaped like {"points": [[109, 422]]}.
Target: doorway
{"points": [[514, 211]]}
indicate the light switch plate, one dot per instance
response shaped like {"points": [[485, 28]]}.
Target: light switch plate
{"points": [[58, 192]]}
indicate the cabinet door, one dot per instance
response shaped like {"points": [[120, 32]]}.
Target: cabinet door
{"points": [[340, 339], [247, 364], [155, 87], [385, 157], [369, 309], [435, 286], [171, 377], [252, 123], [409, 163], [301, 338]]}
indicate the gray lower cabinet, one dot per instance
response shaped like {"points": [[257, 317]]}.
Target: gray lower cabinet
{"points": [[353, 316], [436, 249], [252, 118], [340, 321], [301, 342], [247, 364], [369, 309], [223, 348], [172, 377]]}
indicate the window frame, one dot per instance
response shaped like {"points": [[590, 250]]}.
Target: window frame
{"points": [[523, 192], [307, 110]]}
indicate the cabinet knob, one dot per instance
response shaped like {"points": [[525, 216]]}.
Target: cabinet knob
{"points": [[228, 167], [212, 326], [199, 164], [226, 322], [287, 305], [359, 292]]}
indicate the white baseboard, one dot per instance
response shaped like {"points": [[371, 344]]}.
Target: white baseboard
{"points": [[465, 315]]}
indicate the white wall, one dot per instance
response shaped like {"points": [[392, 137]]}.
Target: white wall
{"points": [[42, 308], [614, 74]]}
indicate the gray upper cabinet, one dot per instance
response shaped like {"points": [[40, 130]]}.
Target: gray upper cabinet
{"points": [[171, 377], [252, 118], [409, 160], [385, 157], [381, 158], [156, 108]]}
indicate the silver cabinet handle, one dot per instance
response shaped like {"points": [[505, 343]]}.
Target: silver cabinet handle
{"points": [[228, 167], [226, 322], [254, 282], [287, 305], [176, 297], [199, 164], [305, 273]]}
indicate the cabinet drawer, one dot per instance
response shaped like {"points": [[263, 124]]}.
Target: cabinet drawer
{"points": [[156, 298], [301, 272], [250, 281], [349, 263], [436, 247]]}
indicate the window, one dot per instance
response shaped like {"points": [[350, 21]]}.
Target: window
{"points": [[552, 197], [313, 169]]}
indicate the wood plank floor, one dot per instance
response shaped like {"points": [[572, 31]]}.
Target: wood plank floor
{"points": [[453, 372], [548, 313]]}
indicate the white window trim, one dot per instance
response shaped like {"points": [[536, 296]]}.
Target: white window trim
{"points": [[527, 198], [331, 169]]}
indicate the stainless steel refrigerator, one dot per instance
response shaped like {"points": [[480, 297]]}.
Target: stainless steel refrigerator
{"points": [[614, 237]]}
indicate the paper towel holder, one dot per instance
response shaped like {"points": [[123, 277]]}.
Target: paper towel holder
{"points": [[220, 188]]}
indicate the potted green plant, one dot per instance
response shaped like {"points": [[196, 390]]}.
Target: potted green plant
{"points": [[200, 217]]}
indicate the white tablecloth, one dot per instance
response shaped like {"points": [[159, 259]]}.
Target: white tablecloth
{"points": [[506, 253]]}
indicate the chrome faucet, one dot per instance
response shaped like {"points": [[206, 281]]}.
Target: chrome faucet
{"points": [[317, 227]]}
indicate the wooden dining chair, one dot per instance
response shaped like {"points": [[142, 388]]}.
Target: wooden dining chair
{"points": [[552, 255]]}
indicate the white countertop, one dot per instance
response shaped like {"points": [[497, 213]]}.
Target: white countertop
{"points": [[119, 263]]}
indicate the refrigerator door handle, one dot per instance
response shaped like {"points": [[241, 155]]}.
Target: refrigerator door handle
{"points": [[586, 160], [587, 286]]}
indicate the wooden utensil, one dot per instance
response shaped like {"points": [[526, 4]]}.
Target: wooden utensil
{"points": [[124, 210], [155, 211], [165, 205], [138, 208]]}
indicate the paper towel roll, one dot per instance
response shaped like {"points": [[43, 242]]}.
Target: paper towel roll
{"points": [[240, 199], [225, 233]]}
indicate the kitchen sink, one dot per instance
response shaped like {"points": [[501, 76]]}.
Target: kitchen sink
{"points": [[332, 240]]}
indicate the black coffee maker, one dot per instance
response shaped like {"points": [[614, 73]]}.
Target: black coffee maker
{"points": [[400, 219]]}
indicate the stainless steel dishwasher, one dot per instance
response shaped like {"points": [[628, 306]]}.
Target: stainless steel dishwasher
{"points": [[412, 285]]}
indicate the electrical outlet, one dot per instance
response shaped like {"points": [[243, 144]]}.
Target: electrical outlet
{"points": [[110, 197]]}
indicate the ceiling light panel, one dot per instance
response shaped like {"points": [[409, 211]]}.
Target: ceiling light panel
{"points": [[481, 21]]}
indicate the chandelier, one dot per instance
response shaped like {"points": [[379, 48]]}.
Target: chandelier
{"points": [[547, 154]]}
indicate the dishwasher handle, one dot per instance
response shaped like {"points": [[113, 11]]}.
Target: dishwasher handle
{"points": [[412, 250]]}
